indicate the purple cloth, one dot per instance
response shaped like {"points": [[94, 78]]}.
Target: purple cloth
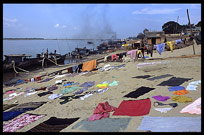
{"points": [[161, 98], [46, 80], [132, 53], [53, 87], [87, 84], [81, 91]]}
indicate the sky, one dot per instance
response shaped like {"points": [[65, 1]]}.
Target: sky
{"points": [[92, 20]]}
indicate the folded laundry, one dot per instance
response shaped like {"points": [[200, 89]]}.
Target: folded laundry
{"points": [[161, 98], [175, 88], [181, 92]]}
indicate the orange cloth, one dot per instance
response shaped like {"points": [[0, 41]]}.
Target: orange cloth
{"points": [[181, 92], [103, 87], [88, 66]]}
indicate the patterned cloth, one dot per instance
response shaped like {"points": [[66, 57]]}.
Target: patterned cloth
{"points": [[20, 122]]}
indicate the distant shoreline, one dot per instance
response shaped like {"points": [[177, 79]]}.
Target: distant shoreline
{"points": [[48, 39]]}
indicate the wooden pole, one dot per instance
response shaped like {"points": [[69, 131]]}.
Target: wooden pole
{"points": [[189, 23]]}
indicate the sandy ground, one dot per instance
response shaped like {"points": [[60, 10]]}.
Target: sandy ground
{"points": [[178, 67]]}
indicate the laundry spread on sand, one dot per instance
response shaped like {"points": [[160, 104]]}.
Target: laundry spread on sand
{"points": [[53, 124], [193, 85], [13, 95], [170, 124], [162, 104], [134, 107], [44, 93], [114, 83], [181, 99], [139, 92], [139, 65], [54, 96], [46, 80], [89, 65], [11, 114], [21, 122], [174, 81], [31, 93], [69, 89], [159, 77], [81, 91], [103, 125], [102, 111], [180, 92], [161, 98], [53, 87], [176, 88], [27, 106], [102, 90], [163, 110], [193, 108], [142, 76], [85, 96], [87, 84]]}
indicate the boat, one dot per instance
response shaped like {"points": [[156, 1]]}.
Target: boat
{"points": [[25, 62], [80, 52]]}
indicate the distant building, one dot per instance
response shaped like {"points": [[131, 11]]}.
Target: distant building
{"points": [[154, 37]]}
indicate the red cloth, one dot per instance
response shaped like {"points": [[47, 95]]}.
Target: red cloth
{"points": [[102, 111], [134, 107]]}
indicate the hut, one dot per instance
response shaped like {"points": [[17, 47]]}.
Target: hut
{"points": [[154, 37]]}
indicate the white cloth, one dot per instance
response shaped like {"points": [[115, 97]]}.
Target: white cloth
{"points": [[193, 85], [163, 110], [58, 81], [53, 96], [85, 96], [102, 90], [28, 94], [59, 76]]}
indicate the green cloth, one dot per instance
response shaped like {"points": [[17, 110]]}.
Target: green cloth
{"points": [[69, 89], [181, 99], [114, 83]]}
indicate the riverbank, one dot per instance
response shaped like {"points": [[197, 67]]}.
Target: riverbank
{"points": [[189, 67]]}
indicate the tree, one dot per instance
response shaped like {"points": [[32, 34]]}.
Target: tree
{"points": [[172, 27], [198, 24], [140, 35]]}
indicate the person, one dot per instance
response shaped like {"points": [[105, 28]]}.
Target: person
{"points": [[142, 47]]}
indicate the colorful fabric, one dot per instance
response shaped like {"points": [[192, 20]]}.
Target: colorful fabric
{"points": [[132, 53], [10, 91], [114, 55], [176, 88], [193, 108], [139, 92], [160, 48], [53, 124], [88, 66], [161, 98], [181, 92], [134, 107], [101, 111], [171, 45], [102, 85], [69, 89], [181, 99], [170, 124], [20, 122], [114, 83]]}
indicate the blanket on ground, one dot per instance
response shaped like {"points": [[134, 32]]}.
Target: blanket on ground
{"points": [[193, 108], [20, 122], [134, 107], [139, 92], [174, 81], [53, 125], [170, 124], [69, 89], [103, 125], [88, 66], [101, 111]]}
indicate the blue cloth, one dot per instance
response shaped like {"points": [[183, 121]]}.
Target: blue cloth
{"points": [[146, 56], [87, 84], [178, 41], [74, 68], [160, 48], [176, 88], [81, 90], [19, 81], [11, 114], [67, 84], [170, 124]]}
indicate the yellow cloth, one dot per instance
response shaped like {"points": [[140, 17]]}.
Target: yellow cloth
{"points": [[88, 66], [125, 45], [139, 51], [181, 99], [171, 44], [102, 85]]}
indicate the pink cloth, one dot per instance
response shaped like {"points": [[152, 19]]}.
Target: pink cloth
{"points": [[102, 111], [132, 53], [114, 55], [10, 91], [193, 108], [20, 122]]}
